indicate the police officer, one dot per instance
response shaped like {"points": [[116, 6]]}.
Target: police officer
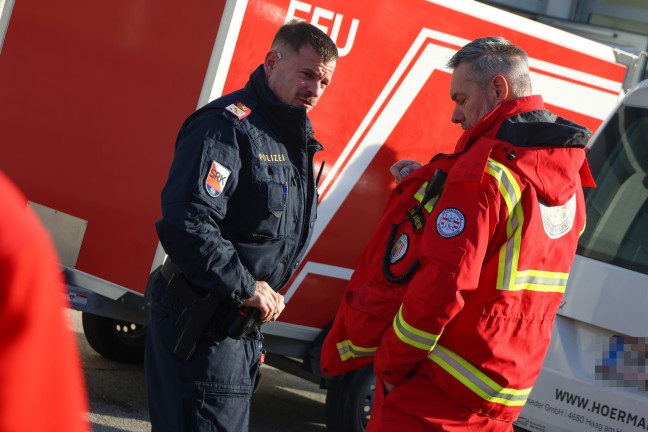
{"points": [[237, 212]]}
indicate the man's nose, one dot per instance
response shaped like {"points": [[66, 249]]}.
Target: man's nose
{"points": [[315, 89], [457, 116]]}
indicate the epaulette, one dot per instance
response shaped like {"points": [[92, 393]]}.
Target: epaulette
{"points": [[239, 110], [470, 166]]}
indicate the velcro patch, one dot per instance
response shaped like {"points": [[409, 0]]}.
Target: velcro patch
{"points": [[216, 179], [415, 216]]}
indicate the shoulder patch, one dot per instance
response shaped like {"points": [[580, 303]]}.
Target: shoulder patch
{"points": [[450, 223], [558, 220], [216, 179], [239, 109]]}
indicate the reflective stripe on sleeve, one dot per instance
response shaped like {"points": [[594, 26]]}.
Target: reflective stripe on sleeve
{"points": [[413, 336], [536, 280], [347, 350], [477, 381]]}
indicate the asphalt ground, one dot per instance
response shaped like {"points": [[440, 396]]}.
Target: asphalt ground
{"points": [[117, 396]]}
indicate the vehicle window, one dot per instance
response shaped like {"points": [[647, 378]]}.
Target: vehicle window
{"points": [[617, 210]]}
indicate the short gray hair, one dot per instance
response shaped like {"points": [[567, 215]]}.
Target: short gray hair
{"points": [[491, 56]]}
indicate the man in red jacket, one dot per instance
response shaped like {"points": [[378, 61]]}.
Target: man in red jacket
{"points": [[456, 293], [41, 378]]}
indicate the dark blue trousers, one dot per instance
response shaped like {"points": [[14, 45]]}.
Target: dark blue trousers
{"points": [[209, 392]]}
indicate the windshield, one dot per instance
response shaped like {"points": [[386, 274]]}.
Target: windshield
{"points": [[617, 210]]}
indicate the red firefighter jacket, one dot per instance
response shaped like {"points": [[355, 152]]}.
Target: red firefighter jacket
{"points": [[40, 369], [494, 249]]}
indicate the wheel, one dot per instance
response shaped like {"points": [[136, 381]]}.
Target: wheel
{"points": [[349, 400], [117, 340]]}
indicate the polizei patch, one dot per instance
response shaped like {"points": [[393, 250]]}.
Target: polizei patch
{"points": [[450, 223], [399, 249], [216, 179]]}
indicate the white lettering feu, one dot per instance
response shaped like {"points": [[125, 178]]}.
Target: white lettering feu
{"points": [[322, 19]]}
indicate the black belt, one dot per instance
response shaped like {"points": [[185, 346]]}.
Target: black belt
{"points": [[169, 270]]}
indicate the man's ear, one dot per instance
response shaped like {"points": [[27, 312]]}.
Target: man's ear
{"points": [[271, 59], [501, 88]]}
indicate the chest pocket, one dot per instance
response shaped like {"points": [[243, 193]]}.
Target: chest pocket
{"points": [[397, 246], [271, 186]]}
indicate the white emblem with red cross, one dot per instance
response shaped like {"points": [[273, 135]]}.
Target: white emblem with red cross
{"points": [[450, 223]]}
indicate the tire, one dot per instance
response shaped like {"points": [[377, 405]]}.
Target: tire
{"points": [[116, 340], [349, 400]]}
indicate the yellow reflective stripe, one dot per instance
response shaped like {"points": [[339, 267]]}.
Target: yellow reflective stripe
{"points": [[507, 184], [509, 277], [509, 254], [477, 381], [413, 336], [347, 350], [419, 196], [536, 280]]}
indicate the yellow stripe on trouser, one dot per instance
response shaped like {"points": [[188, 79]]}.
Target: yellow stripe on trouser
{"points": [[413, 336], [347, 350], [476, 380], [509, 278]]}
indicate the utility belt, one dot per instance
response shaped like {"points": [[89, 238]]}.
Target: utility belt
{"points": [[204, 315]]}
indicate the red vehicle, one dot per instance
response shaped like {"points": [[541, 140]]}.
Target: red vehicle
{"points": [[93, 94]]}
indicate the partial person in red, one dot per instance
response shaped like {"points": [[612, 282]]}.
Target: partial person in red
{"points": [[455, 295], [41, 381]]}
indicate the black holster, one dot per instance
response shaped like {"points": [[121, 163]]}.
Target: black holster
{"points": [[204, 315], [242, 322], [198, 311]]}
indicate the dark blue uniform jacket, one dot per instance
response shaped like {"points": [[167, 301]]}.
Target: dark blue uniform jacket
{"points": [[240, 200]]}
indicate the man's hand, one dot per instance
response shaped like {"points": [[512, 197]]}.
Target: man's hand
{"points": [[269, 303], [401, 168]]}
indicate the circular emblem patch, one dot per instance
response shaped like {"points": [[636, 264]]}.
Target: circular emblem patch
{"points": [[399, 249], [450, 222]]}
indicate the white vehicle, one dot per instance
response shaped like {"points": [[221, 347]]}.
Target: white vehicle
{"points": [[595, 375]]}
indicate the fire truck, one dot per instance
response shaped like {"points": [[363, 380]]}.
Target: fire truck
{"points": [[93, 94]]}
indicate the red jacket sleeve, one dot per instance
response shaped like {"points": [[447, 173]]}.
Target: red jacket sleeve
{"points": [[40, 369]]}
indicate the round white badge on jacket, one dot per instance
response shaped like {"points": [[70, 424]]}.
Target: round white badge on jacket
{"points": [[399, 249], [450, 223]]}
